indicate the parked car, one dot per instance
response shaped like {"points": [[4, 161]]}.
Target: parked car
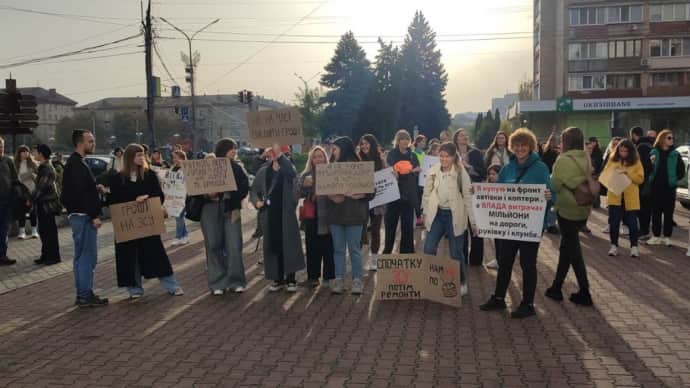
{"points": [[99, 164], [682, 194]]}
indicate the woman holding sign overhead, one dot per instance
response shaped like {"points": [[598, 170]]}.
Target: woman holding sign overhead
{"points": [[447, 204], [144, 256], [369, 152], [524, 167], [221, 225]]}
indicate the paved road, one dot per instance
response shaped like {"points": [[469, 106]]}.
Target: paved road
{"points": [[637, 335]]}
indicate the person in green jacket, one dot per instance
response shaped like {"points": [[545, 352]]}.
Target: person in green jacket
{"points": [[571, 168]]}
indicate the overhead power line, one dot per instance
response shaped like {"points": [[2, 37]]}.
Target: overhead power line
{"points": [[84, 18], [336, 42]]}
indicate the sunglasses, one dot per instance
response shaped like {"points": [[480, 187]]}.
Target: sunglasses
{"points": [[669, 138]]}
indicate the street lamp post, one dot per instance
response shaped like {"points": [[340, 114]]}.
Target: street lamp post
{"points": [[195, 138], [139, 134]]}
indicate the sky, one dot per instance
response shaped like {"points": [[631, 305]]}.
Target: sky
{"points": [[267, 46]]}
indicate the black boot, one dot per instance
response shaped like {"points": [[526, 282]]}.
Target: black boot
{"points": [[554, 293], [582, 297], [523, 311], [493, 303]]}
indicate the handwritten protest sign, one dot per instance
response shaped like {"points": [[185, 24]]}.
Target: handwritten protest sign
{"points": [[160, 172], [434, 278], [387, 189], [133, 220], [344, 178], [175, 193], [428, 162], [205, 176], [509, 211], [614, 181], [281, 126]]}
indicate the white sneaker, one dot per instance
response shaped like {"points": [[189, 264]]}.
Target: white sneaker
{"points": [[373, 263], [174, 242], [178, 292], [634, 252], [22, 235], [654, 241], [688, 252], [613, 251], [34, 233], [291, 287], [183, 241], [337, 286], [238, 290], [276, 286], [357, 287], [667, 241], [217, 292], [463, 290], [493, 264]]}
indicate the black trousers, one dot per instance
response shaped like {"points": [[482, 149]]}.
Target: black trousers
{"points": [[528, 262], [319, 251], [47, 231], [289, 278], [663, 205], [404, 212], [645, 214], [476, 254], [570, 254]]}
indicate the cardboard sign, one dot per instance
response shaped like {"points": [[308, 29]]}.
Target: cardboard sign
{"points": [[280, 126], [434, 278], [205, 176], [344, 178], [175, 193], [509, 211], [614, 181], [428, 162], [386, 186], [133, 220]]}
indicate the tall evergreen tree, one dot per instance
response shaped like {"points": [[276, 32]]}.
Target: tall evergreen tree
{"points": [[497, 119], [381, 112], [477, 126], [347, 77], [424, 80]]}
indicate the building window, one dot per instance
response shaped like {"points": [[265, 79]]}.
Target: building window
{"points": [[602, 15], [625, 48], [668, 79], [587, 81], [669, 12], [587, 16], [625, 14], [673, 47], [623, 81], [593, 50]]}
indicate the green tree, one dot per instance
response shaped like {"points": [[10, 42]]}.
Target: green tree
{"points": [[487, 131], [525, 90], [64, 128], [347, 77], [497, 119], [310, 109], [381, 111], [477, 127], [424, 80]]}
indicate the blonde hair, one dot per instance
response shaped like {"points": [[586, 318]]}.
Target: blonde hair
{"points": [[180, 154], [522, 136], [310, 162], [660, 137], [401, 134], [128, 165], [210, 155]]}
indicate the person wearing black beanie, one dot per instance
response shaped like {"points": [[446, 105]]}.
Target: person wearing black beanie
{"points": [[47, 204]]}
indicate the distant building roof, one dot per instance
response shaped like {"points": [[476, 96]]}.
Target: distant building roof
{"points": [[140, 102], [49, 96]]}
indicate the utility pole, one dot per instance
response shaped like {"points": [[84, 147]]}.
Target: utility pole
{"points": [[150, 88], [189, 68]]}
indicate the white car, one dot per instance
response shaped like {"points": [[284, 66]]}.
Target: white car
{"points": [[682, 194]]}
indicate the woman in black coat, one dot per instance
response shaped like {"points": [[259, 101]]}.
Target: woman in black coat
{"points": [[47, 205], [144, 256]]}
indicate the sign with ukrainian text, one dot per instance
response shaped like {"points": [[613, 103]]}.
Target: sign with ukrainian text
{"points": [[207, 176], [280, 126], [135, 220], [509, 211], [345, 178], [418, 277]]}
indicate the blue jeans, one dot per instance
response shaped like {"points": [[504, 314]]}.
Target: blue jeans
{"points": [[85, 253], [629, 218], [169, 283], [180, 227], [443, 226], [4, 226], [349, 236]]}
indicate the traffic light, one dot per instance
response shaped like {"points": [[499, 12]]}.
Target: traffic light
{"points": [[250, 97], [188, 71], [18, 114], [241, 97]]}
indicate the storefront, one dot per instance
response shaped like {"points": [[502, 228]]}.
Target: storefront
{"points": [[604, 118]]}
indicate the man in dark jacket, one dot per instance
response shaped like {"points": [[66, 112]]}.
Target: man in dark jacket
{"points": [[644, 148], [8, 176], [80, 198]]}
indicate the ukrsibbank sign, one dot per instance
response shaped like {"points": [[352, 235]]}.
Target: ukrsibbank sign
{"points": [[642, 103]]}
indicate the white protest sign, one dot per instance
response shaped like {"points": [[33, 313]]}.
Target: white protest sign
{"points": [[509, 211], [175, 193], [387, 189], [427, 162]]}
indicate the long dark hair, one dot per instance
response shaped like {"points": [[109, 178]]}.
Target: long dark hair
{"points": [[223, 146], [347, 150], [128, 165], [30, 162], [632, 158], [374, 154]]}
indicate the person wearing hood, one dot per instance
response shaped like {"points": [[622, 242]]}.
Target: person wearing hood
{"points": [[47, 203], [644, 149], [347, 213], [524, 167], [406, 167], [571, 169]]}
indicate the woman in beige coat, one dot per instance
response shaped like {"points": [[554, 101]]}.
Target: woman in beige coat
{"points": [[447, 205]]}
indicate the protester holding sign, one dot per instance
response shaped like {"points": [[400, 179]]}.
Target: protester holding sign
{"points": [[143, 256], [317, 238], [369, 151], [447, 204], [181, 234], [274, 189], [524, 167], [406, 167], [347, 213], [221, 225], [572, 169]]}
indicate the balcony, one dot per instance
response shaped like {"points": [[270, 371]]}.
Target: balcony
{"points": [[680, 27], [655, 63], [588, 65], [668, 91], [608, 93]]}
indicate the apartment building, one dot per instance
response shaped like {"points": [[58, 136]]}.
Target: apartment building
{"points": [[606, 66]]}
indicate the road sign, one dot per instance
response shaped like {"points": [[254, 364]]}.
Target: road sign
{"points": [[184, 114]]}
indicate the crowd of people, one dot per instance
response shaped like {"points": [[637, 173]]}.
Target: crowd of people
{"points": [[336, 227]]}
